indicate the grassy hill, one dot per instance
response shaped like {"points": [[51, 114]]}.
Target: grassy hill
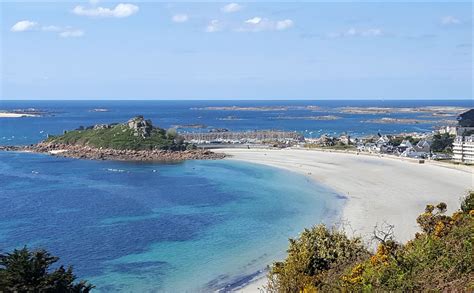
{"points": [[136, 134], [439, 259]]}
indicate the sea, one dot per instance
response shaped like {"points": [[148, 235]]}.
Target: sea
{"points": [[194, 226]]}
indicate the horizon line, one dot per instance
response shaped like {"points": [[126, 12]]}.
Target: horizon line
{"points": [[223, 100]]}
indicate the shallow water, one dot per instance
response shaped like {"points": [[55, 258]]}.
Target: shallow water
{"points": [[192, 226]]}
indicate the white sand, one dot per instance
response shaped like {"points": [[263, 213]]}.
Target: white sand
{"points": [[378, 189], [15, 115]]}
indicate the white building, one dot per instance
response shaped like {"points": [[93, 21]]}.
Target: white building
{"points": [[463, 149], [423, 146]]}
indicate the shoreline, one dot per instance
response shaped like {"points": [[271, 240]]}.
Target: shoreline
{"points": [[92, 153], [379, 189], [445, 183]]}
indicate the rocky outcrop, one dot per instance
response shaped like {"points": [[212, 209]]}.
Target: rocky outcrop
{"points": [[140, 126], [86, 152], [101, 126], [171, 148]]}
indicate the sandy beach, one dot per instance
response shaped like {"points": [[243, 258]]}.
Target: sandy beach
{"points": [[378, 189]]}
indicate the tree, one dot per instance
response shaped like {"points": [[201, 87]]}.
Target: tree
{"points": [[171, 133], [29, 271], [442, 142]]}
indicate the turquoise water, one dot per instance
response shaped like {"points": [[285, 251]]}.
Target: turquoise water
{"points": [[193, 226], [143, 227]]}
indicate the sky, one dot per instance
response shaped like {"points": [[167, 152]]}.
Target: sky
{"points": [[235, 50]]}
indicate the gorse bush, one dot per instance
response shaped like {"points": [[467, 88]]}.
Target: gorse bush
{"points": [[317, 251], [439, 258], [30, 271]]}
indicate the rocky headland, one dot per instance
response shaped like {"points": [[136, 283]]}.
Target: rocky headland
{"points": [[135, 140]]}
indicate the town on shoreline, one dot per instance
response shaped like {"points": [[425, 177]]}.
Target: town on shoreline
{"points": [[450, 143]]}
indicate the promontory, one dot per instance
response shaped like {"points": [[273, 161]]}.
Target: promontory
{"points": [[135, 140]]}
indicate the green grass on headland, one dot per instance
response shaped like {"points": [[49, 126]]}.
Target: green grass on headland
{"points": [[121, 137]]}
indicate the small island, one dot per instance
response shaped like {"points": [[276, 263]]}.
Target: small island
{"points": [[258, 108], [135, 140], [315, 118], [389, 120], [435, 111], [21, 113]]}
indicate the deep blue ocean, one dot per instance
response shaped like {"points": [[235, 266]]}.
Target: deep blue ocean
{"points": [[149, 227], [66, 115]]}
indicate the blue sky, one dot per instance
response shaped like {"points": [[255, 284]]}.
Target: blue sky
{"points": [[241, 50]]}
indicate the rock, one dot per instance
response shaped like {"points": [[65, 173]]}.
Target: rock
{"points": [[101, 126], [86, 152], [140, 126]]}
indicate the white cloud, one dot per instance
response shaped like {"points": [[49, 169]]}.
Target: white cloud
{"points": [[450, 20], [257, 24], [119, 11], [353, 32], [254, 21], [214, 26], [180, 18], [64, 32], [284, 24], [231, 7], [71, 33], [23, 26]]}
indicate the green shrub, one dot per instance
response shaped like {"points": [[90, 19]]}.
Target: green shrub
{"points": [[440, 258], [317, 250]]}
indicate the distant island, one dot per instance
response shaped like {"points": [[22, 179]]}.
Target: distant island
{"points": [[258, 109], [316, 118], [137, 139], [440, 111], [100, 110], [389, 120], [19, 113]]}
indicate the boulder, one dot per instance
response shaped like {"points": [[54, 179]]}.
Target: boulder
{"points": [[140, 126], [101, 126]]}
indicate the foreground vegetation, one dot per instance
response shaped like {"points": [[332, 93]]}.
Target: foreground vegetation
{"points": [[439, 258], [30, 271]]}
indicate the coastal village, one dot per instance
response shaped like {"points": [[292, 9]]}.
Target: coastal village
{"points": [[450, 143]]}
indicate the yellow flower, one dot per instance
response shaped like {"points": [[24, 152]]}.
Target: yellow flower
{"points": [[439, 229], [456, 216]]}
